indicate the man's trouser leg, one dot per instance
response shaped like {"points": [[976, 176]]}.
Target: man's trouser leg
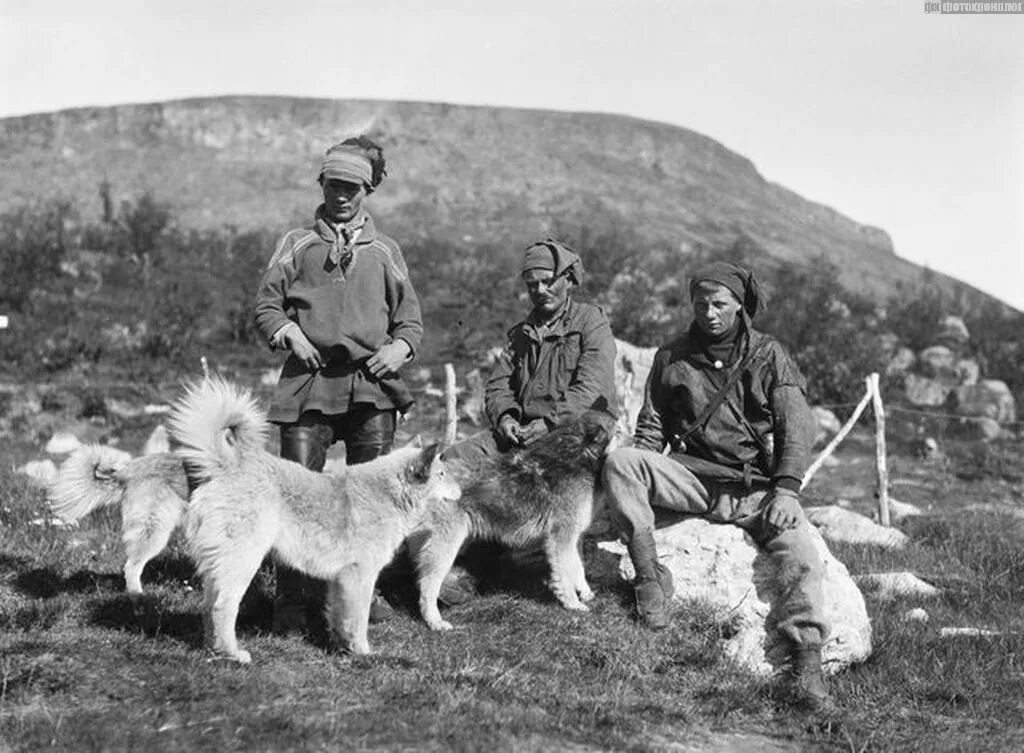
{"points": [[635, 481], [799, 612], [298, 596]]}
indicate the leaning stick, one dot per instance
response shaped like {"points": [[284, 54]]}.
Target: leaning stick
{"points": [[883, 470], [451, 423], [840, 435]]}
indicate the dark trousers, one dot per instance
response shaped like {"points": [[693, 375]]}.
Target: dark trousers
{"points": [[368, 432]]}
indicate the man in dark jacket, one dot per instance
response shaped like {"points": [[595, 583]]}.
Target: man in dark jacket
{"points": [[557, 363], [729, 403]]}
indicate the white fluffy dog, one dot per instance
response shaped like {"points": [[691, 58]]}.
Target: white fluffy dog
{"points": [[152, 492], [247, 502]]}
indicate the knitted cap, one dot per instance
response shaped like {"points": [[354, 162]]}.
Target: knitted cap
{"points": [[737, 280], [559, 258]]}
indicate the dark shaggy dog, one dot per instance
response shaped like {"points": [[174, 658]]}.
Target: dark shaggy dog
{"points": [[542, 493]]}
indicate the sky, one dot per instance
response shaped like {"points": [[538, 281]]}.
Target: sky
{"points": [[895, 117]]}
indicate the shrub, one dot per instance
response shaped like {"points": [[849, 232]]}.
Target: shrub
{"points": [[33, 243]]}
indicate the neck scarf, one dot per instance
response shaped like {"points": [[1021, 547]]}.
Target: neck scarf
{"points": [[341, 236]]}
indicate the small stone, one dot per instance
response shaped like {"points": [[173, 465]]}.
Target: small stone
{"points": [[62, 443], [916, 615]]}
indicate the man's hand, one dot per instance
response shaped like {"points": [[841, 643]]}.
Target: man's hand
{"points": [[388, 358], [303, 349], [783, 511], [509, 430], [532, 432]]}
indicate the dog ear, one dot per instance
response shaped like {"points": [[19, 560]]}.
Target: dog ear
{"points": [[419, 471]]}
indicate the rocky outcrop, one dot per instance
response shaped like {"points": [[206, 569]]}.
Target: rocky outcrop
{"points": [[721, 567], [947, 376]]}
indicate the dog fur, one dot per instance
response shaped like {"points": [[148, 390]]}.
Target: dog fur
{"points": [[247, 502], [542, 493], [152, 492]]}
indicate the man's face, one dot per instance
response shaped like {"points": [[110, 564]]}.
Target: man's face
{"points": [[547, 293], [342, 199], [716, 310]]}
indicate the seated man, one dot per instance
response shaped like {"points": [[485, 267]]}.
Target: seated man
{"points": [[556, 364], [729, 402]]}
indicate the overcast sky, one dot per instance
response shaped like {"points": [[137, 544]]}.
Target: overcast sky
{"points": [[895, 117]]}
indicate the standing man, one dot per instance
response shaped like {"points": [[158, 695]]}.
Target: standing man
{"points": [[338, 297], [557, 363], [729, 402]]}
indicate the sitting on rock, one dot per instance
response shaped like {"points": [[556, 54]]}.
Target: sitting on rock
{"points": [[729, 402]]}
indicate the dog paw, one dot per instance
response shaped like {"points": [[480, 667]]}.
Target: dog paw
{"points": [[443, 625], [240, 656], [585, 594], [578, 607]]}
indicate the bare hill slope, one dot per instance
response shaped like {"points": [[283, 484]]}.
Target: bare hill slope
{"points": [[462, 174]]}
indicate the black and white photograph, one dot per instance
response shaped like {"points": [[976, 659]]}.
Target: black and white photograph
{"points": [[548, 375]]}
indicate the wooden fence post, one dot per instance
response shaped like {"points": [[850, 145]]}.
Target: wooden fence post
{"points": [[880, 463], [840, 435], [451, 422]]}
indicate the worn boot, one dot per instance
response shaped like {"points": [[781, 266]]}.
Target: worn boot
{"points": [[808, 686], [652, 602]]}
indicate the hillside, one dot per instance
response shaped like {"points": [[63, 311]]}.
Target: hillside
{"points": [[463, 175]]}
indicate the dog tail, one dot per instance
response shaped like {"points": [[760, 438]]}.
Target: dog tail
{"points": [[87, 480], [216, 423]]}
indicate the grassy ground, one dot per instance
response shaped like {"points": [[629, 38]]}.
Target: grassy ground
{"points": [[83, 667]]}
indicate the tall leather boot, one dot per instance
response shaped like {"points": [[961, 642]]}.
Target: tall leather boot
{"points": [[808, 686], [652, 586], [299, 599]]}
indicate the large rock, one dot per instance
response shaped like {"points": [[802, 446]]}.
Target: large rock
{"points": [[989, 398], [848, 527], [952, 331], [632, 364], [938, 362], [925, 391], [901, 361], [721, 566], [827, 425], [968, 371], [896, 585]]}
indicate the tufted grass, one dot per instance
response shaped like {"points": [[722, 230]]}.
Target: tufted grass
{"points": [[85, 668]]}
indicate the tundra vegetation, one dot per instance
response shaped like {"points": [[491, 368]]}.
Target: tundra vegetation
{"points": [[107, 317]]}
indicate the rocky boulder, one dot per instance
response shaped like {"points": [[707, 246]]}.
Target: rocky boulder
{"points": [[989, 398], [901, 361], [952, 331], [938, 362], [925, 391], [721, 566], [632, 365], [826, 424]]}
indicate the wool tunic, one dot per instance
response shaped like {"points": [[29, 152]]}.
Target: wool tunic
{"points": [[350, 296]]}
